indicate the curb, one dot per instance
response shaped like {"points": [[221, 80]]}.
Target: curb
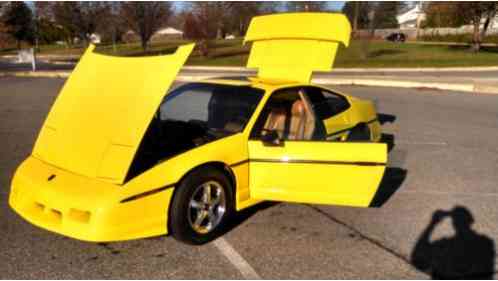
{"points": [[352, 70], [477, 88], [48, 59], [37, 74]]}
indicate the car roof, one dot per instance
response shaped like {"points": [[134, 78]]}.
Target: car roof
{"points": [[266, 85], [252, 82]]}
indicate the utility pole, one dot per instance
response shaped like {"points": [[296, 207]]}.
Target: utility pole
{"points": [[33, 50], [371, 19], [356, 12]]}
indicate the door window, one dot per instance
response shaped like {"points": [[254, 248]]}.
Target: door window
{"points": [[290, 114], [325, 103]]}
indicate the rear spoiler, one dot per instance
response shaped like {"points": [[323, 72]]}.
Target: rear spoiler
{"points": [[291, 46]]}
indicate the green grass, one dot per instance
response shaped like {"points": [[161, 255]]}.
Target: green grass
{"points": [[386, 54], [380, 54]]}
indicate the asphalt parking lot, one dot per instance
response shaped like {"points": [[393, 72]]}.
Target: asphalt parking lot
{"points": [[445, 154]]}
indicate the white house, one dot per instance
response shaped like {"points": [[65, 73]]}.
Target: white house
{"points": [[414, 16], [169, 31], [95, 38], [411, 18]]}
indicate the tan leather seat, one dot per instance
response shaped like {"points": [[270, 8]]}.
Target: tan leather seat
{"points": [[276, 121], [302, 122]]}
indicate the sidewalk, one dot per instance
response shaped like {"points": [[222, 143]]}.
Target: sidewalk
{"points": [[469, 85], [462, 79], [478, 86]]}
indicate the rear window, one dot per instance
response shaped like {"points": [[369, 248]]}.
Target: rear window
{"points": [[326, 104]]}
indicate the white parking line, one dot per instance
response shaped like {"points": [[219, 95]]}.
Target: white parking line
{"points": [[236, 259]]}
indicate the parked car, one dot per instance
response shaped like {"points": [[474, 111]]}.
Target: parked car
{"points": [[396, 37], [119, 157]]}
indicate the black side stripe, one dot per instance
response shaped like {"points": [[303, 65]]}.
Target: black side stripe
{"points": [[239, 163], [147, 193], [339, 132], [373, 120], [298, 161], [256, 160]]}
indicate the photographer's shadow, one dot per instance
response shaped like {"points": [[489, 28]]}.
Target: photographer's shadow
{"points": [[466, 255]]}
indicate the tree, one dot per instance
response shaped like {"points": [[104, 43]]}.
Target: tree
{"points": [[385, 14], [64, 17], [241, 15], [357, 13], [3, 7], [475, 13], [306, 6], [44, 10], [205, 21], [89, 16], [145, 18], [210, 21], [18, 20], [79, 19], [442, 14], [4, 36], [212, 17], [191, 27], [112, 26]]}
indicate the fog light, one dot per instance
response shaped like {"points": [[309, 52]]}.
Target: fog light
{"points": [[39, 206], [79, 216], [55, 215]]}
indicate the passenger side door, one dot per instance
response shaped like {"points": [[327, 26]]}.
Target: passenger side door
{"points": [[311, 170]]}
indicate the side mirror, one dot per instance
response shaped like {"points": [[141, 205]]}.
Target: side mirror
{"points": [[271, 138]]}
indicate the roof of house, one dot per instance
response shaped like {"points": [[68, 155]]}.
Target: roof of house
{"points": [[410, 15], [169, 31]]}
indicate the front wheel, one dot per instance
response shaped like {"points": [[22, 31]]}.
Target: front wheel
{"points": [[201, 206]]}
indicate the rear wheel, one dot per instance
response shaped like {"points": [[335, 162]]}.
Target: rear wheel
{"points": [[201, 206]]}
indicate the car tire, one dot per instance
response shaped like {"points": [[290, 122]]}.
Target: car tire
{"points": [[197, 215], [360, 133]]}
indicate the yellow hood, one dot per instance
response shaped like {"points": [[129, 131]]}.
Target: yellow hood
{"points": [[291, 46], [99, 118]]}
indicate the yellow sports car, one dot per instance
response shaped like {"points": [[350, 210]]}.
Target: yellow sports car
{"points": [[119, 157]]}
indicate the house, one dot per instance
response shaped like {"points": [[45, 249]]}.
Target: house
{"points": [[95, 38], [167, 33], [411, 18]]}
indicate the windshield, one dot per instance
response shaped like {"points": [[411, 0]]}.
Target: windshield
{"points": [[218, 109], [192, 115]]}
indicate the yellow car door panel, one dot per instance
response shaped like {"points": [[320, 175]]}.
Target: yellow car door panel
{"points": [[333, 173]]}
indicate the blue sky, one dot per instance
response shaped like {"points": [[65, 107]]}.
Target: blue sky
{"points": [[333, 5]]}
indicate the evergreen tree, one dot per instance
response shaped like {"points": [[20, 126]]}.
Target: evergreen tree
{"points": [[18, 19]]}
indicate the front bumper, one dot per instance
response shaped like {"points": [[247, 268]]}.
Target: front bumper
{"points": [[84, 208]]}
